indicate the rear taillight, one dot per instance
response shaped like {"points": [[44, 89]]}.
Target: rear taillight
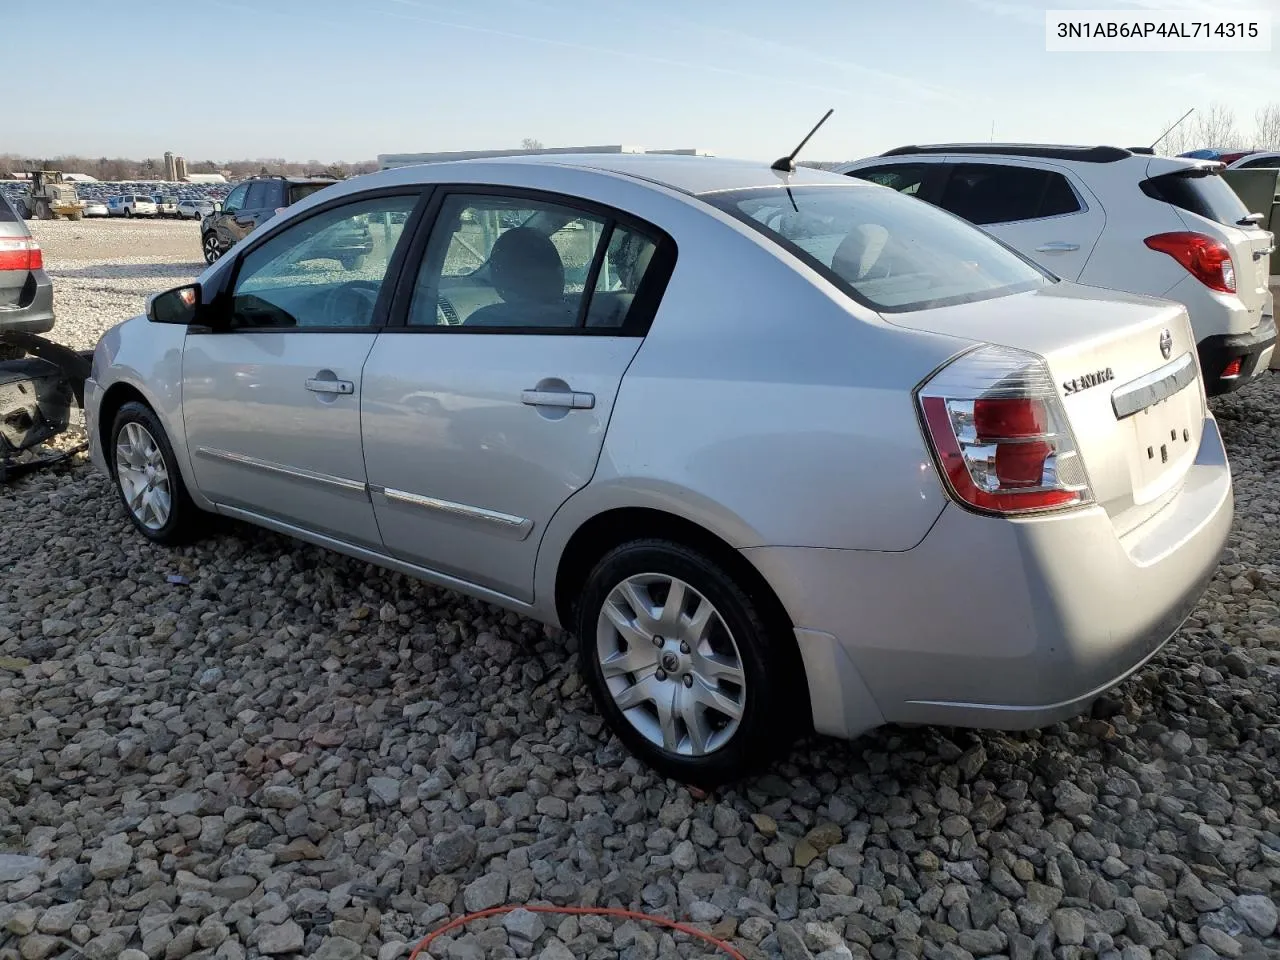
{"points": [[1203, 257], [1000, 435], [20, 253], [1231, 370]]}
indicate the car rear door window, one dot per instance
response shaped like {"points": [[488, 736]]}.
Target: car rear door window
{"points": [[324, 271], [987, 193], [511, 263], [259, 197]]}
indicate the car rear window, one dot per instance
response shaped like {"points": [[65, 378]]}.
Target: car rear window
{"points": [[888, 251], [7, 213], [299, 191], [1204, 194]]}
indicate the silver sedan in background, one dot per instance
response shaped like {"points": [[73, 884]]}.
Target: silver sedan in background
{"points": [[785, 450]]}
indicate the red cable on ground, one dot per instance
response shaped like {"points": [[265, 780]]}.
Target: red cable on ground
{"points": [[576, 911]]}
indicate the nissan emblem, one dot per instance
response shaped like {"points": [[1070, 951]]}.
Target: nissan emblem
{"points": [[1166, 343]]}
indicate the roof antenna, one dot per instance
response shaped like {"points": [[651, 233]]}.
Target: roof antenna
{"points": [[1174, 127], [787, 164]]}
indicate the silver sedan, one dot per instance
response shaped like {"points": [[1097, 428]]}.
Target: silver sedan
{"points": [[786, 451]]}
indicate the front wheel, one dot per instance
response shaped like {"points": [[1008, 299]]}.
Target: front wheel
{"points": [[148, 480], [212, 249], [682, 663]]}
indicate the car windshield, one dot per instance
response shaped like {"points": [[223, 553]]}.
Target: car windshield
{"points": [[888, 251]]}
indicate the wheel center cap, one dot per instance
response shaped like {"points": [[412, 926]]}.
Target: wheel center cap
{"points": [[671, 661]]}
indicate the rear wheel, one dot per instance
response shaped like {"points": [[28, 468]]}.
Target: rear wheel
{"points": [[148, 480], [128, 213], [682, 663]]}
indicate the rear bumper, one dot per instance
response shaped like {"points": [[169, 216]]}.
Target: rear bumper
{"points": [[1254, 350], [34, 315], [996, 623]]}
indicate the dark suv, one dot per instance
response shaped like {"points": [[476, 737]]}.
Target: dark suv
{"points": [[257, 200]]}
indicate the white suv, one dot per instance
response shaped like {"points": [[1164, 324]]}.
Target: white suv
{"points": [[1108, 217], [131, 205]]}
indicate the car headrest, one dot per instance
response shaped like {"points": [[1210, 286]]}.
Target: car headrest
{"points": [[526, 267]]}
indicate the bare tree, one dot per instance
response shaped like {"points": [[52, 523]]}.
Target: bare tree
{"points": [[528, 143], [1216, 127], [1266, 134]]}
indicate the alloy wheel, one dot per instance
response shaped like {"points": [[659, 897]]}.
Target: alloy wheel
{"points": [[671, 664], [143, 476]]}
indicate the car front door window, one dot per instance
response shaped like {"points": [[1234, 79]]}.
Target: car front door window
{"points": [[235, 199], [325, 271]]}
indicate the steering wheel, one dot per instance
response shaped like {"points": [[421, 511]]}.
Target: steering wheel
{"points": [[344, 304]]}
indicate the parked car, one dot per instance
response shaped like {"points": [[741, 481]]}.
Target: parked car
{"points": [[131, 205], [1268, 160], [801, 453], [194, 209], [1108, 217], [96, 208], [251, 204], [26, 292], [166, 206]]}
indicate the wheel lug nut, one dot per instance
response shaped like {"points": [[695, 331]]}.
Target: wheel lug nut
{"points": [[657, 641], [688, 680], [684, 647], [661, 675]]}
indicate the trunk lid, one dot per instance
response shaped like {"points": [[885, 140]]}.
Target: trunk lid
{"points": [[1137, 414]]}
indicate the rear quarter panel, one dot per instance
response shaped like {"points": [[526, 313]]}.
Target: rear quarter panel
{"points": [[767, 407]]}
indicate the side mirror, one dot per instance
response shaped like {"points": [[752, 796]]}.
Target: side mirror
{"points": [[178, 305]]}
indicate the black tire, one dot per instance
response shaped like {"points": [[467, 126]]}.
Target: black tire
{"points": [[128, 213], [764, 649], [185, 521], [211, 248]]}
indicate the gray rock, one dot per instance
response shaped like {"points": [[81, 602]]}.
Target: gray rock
{"points": [[452, 851], [280, 797], [385, 789], [279, 938], [524, 924], [112, 859], [792, 944], [14, 867], [488, 891], [555, 950], [59, 919], [1258, 912], [1070, 800], [1220, 941], [338, 948], [1069, 926]]}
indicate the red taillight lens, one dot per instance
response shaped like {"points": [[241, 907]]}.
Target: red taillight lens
{"points": [[1232, 369], [1000, 435], [1203, 257], [20, 253]]}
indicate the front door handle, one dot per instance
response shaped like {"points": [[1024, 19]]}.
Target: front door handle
{"points": [[1057, 246], [344, 387], [569, 399]]}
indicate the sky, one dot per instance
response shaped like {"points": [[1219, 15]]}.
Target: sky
{"points": [[346, 80]]}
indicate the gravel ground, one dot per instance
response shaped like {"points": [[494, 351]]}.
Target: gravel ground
{"points": [[289, 753]]}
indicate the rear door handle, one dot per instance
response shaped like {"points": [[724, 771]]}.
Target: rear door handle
{"points": [[570, 399], [344, 387], [1057, 246]]}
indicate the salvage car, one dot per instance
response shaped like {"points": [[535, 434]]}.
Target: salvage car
{"points": [[787, 451]]}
